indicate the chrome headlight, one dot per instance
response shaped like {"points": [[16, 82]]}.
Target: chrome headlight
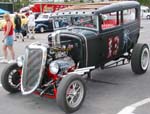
{"points": [[54, 67], [20, 61]]}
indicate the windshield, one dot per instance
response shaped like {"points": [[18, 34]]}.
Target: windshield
{"points": [[147, 11], [43, 16], [81, 21]]}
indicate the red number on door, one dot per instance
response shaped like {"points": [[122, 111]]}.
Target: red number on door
{"points": [[113, 46]]}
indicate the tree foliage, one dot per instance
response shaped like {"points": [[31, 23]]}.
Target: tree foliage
{"points": [[17, 3], [145, 2], [20, 3]]}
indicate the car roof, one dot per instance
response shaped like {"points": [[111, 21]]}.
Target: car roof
{"points": [[96, 8], [119, 6], [88, 6]]}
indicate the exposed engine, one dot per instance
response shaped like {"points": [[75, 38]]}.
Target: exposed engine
{"points": [[65, 64], [60, 55]]}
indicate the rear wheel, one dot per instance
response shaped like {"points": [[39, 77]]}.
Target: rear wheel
{"points": [[140, 58], [42, 29], [71, 93], [10, 78]]}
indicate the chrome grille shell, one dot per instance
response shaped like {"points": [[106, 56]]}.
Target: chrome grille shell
{"points": [[34, 65]]}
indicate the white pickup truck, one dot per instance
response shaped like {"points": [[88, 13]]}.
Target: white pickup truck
{"points": [[145, 12]]}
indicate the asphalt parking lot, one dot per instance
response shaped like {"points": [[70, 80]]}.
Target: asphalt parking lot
{"points": [[120, 90]]}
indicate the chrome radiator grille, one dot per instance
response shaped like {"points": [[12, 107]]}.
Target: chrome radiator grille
{"points": [[32, 70]]}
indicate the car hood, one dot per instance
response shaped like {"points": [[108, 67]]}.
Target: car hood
{"points": [[88, 33], [40, 20]]}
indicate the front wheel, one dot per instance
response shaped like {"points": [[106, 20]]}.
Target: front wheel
{"points": [[71, 93], [10, 78], [140, 58], [148, 17]]}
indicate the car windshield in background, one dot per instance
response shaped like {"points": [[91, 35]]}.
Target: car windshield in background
{"points": [[147, 11], [81, 21], [42, 16]]}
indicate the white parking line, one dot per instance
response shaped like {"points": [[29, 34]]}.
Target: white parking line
{"points": [[131, 108], [0, 85]]}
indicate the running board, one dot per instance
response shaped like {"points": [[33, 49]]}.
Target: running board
{"points": [[83, 71], [117, 63]]}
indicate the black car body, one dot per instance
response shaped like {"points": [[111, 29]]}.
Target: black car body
{"points": [[43, 23], [116, 31], [85, 37]]}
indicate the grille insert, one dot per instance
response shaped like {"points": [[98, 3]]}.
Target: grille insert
{"points": [[32, 70]]}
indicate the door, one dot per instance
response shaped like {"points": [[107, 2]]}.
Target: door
{"points": [[131, 27], [50, 25], [111, 35]]}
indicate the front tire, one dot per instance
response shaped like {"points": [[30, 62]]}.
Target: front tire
{"points": [[10, 78], [71, 93], [148, 17], [140, 58]]}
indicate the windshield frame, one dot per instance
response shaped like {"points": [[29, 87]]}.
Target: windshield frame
{"points": [[41, 16], [95, 29]]}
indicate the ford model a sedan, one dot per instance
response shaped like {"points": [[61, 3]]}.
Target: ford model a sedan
{"points": [[86, 37]]}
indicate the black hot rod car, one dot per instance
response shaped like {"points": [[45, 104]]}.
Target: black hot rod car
{"points": [[86, 37]]}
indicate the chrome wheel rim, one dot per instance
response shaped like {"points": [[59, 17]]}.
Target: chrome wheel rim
{"points": [[14, 79], [74, 94], [145, 59]]}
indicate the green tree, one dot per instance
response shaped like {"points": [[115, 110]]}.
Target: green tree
{"points": [[5, 0], [145, 2], [20, 3]]}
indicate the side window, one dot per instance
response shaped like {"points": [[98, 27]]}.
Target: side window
{"points": [[62, 22], [110, 20], [129, 15]]}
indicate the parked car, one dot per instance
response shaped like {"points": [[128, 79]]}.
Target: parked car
{"points": [[23, 20], [145, 12], [86, 37], [44, 23]]}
